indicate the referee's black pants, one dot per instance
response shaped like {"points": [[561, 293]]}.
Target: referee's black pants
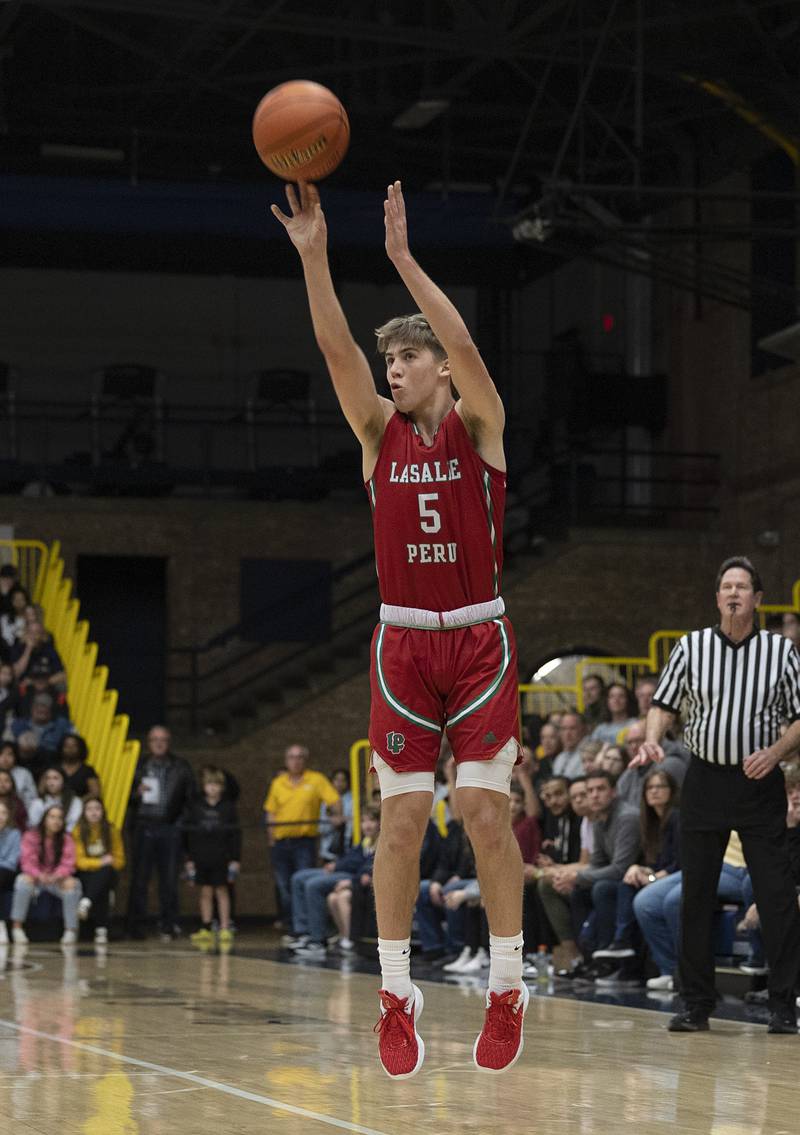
{"points": [[716, 800]]}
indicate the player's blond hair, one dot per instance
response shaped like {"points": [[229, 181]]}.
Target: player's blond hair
{"points": [[410, 331]]}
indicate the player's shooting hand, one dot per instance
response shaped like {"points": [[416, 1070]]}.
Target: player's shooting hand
{"points": [[648, 751], [394, 212], [759, 764], [306, 225]]}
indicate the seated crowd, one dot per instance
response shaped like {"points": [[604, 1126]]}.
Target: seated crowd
{"points": [[600, 844]]}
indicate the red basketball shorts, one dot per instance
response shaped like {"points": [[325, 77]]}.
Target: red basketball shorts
{"points": [[423, 682]]}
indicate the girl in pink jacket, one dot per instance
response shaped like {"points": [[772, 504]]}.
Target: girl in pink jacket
{"points": [[47, 861]]}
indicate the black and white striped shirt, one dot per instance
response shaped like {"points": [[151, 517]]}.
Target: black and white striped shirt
{"points": [[733, 697]]}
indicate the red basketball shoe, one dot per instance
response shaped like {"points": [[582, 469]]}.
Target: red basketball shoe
{"points": [[500, 1042], [400, 1046]]}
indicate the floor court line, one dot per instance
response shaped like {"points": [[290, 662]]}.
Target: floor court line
{"points": [[227, 1089]]}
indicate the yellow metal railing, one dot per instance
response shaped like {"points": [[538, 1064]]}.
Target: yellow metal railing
{"points": [[359, 779], [92, 705], [30, 559], [781, 608]]}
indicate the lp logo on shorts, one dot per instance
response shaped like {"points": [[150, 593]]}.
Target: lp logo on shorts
{"points": [[395, 742]]}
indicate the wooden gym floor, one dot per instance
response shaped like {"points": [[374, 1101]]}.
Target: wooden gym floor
{"points": [[146, 1039]]}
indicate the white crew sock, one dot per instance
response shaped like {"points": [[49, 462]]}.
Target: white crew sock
{"points": [[395, 959], [505, 963]]}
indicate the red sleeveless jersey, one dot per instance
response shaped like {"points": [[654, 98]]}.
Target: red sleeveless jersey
{"points": [[437, 514]]}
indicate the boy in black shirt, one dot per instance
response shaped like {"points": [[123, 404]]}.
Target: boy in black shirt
{"points": [[212, 842]]}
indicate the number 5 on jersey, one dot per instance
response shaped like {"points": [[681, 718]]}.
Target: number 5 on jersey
{"points": [[429, 518]]}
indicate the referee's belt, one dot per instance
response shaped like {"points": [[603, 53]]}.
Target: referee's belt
{"points": [[423, 620]]}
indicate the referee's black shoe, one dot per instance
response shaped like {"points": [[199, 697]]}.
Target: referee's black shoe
{"points": [[689, 1021], [783, 1020]]}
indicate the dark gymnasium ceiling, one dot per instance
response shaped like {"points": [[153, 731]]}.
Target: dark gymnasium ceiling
{"points": [[519, 101]]}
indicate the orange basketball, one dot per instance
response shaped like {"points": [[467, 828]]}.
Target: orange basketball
{"points": [[300, 130]]}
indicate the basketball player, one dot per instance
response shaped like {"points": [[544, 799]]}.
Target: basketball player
{"points": [[443, 655]]}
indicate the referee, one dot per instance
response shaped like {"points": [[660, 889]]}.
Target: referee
{"points": [[736, 686]]}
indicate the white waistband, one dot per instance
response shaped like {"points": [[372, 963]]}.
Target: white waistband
{"points": [[441, 620]]}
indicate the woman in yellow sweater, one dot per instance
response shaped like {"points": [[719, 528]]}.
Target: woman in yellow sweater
{"points": [[99, 857]]}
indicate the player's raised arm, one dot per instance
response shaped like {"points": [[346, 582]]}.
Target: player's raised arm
{"points": [[481, 406], [349, 370]]}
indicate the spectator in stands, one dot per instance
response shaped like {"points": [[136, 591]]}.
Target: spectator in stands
{"points": [[337, 831], [212, 843], [643, 690], [79, 775], [23, 780], [53, 790], [521, 778], [571, 731], [524, 825], [615, 830], [37, 681], [619, 714], [8, 795], [9, 695], [548, 749], [36, 645], [12, 621], [441, 924], [594, 690], [311, 888], [163, 784], [562, 856], [631, 783], [10, 839], [658, 908], [659, 830], [292, 809], [99, 858], [39, 735], [47, 863], [528, 834], [590, 751], [560, 826], [231, 789], [340, 900], [231, 792], [9, 579], [790, 627], [613, 759]]}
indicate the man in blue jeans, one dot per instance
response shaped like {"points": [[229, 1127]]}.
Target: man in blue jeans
{"points": [[292, 810], [615, 826], [311, 887]]}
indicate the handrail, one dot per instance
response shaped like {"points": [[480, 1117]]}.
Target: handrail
{"points": [[356, 749], [30, 558], [224, 636], [279, 655]]}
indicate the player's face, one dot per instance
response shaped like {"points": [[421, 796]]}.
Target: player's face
{"points": [[736, 597], [414, 374]]}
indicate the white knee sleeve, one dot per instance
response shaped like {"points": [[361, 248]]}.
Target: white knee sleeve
{"points": [[494, 774], [397, 783]]}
